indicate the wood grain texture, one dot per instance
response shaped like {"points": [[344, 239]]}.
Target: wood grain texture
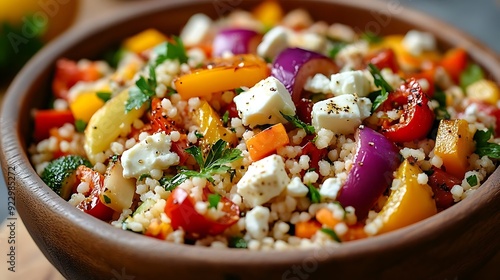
{"points": [[449, 245]]}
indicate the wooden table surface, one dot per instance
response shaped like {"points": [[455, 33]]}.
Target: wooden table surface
{"points": [[30, 262]]}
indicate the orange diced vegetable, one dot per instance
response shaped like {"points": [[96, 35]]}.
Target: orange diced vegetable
{"points": [[454, 62], [144, 40], [269, 13], [409, 203], [158, 229], [483, 90], [226, 74], [267, 141], [307, 229], [355, 232], [325, 217], [85, 105], [454, 145]]}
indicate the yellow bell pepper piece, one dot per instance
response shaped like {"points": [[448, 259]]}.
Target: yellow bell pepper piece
{"points": [[408, 204], [269, 13], [227, 74], [211, 126], [107, 124], [85, 105], [144, 40], [483, 90], [454, 145]]}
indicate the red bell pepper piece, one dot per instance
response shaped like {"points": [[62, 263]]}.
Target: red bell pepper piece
{"points": [[92, 204], [68, 74], [385, 58], [47, 119], [441, 184], [454, 62]]}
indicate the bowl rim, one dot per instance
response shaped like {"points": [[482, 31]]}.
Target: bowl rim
{"points": [[14, 154]]}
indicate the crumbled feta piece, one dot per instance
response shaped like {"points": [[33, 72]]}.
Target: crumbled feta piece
{"points": [[256, 222], [350, 82], [330, 188], [151, 153], [296, 188], [319, 83], [417, 42], [309, 41], [196, 29], [264, 180], [341, 114], [273, 42], [263, 103]]}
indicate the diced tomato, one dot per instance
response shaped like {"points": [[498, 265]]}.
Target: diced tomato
{"points": [[417, 117], [180, 209], [315, 154], [92, 204], [385, 58], [427, 74], [441, 184], [304, 109], [231, 109], [492, 111], [68, 74], [45, 120]]}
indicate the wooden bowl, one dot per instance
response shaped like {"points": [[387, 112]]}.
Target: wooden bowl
{"points": [[448, 245]]}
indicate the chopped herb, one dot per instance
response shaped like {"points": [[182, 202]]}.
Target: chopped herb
{"points": [[470, 75], [172, 51], [371, 37], [472, 180], [237, 242], [485, 148], [309, 129], [171, 90], [107, 200], [238, 90], [331, 233], [441, 111], [114, 158], [379, 96], [143, 177], [337, 47], [198, 135], [213, 200], [142, 92], [80, 125], [104, 95], [429, 172], [313, 194], [114, 57], [311, 169], [225, 117], [215, 162]]}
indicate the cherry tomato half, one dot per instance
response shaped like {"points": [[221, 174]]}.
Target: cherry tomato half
{"points": [[92, 204]]}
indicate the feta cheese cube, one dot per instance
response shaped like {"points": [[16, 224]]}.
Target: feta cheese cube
{"points": [[196, 29], [416, 42], [318, 84], [257, 222], [263, 103], [350, 82], [273, 42], [341, 114], [330, 188], [151, 153], [296, 188], [264, 180]]}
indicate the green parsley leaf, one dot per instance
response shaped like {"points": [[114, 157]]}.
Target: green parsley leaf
{"points": [[313, 194], [337, 47], [215, 162], [332, 234], [385, 88], [107, 200], [143, 177], [237, 242], [485, 148], [371, 37], [441, 111], [104, 95], [80, 125], [470, 75], [114, 158], [213, 200], [172, 51], [472, 180], [171, 90], [238, 90], [198, 135], [309, 129], [225, 117], [143, 91]]}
